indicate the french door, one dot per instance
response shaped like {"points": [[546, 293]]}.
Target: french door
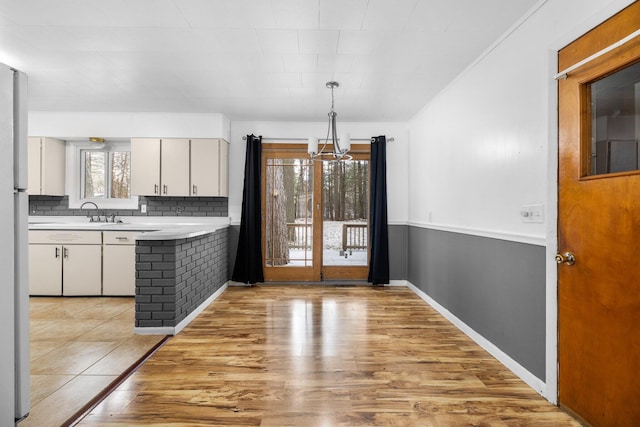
{"points": [[314, 215]]}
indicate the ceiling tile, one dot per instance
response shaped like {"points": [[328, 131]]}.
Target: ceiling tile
{"points": [[278, 41], [342, 14], [383, 14], [318, 41], [295, 13], [335, 63], [300, 63], [365, 42]]}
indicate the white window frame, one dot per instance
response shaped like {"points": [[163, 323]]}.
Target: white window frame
{"points": [[74, 175]]}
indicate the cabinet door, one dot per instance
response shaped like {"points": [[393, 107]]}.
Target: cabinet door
{"points": [[33, 165], [119, 263], [174, 167], [145, 166], [223, 165], [82, 270], [53, 166], [45, 270], [204, 167]]}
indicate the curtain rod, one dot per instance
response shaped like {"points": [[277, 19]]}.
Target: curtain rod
{"points": [[390, 139], [563, 74]]}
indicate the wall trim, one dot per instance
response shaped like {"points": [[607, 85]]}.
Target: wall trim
{"points": [[174, 330], [401, 283], [492, 234], [526, 376]]}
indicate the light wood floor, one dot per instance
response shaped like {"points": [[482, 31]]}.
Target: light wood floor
{"points": [[323, 356], [78, 347]]}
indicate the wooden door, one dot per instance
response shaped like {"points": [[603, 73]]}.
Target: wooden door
{"points": [[599, 223], [174, 167], [290, 210], [145, 166], [205, 171], [345, 213]]}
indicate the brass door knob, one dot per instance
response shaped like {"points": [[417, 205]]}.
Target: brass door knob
{"points": [[566, 258]]}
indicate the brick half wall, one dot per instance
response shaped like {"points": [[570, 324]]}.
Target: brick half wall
{"points": [[174, 277]]}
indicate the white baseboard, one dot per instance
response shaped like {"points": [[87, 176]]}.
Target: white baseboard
{"points": [[174, 330], [526, 376], [402, 283]]}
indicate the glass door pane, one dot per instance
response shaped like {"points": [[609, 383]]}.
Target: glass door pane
{"points": [[345, 212], [288, 213]]}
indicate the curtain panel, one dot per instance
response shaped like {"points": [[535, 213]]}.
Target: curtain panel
{"points": [[378, 227], [248, 264]]}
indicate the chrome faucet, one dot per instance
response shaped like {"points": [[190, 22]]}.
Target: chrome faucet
{"points": [[91, 219]]}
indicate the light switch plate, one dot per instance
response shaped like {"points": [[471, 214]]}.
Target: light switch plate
{"points": [[532, 213], [143, 208]]}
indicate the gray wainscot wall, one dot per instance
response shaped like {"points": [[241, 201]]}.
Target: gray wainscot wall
{"points": [[496, 287]]}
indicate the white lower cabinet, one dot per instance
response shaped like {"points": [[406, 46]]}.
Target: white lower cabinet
{"points": [[45, 269], [118, 263], [81, 268], [65, 262]]}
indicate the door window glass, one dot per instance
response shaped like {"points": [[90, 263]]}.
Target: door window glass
{"points": [[614, 112]]}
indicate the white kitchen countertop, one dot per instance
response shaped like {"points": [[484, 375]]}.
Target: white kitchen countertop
{"points": [[151, 228]]}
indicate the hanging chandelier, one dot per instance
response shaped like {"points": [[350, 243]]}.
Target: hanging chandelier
{"points": [[339, 146]]}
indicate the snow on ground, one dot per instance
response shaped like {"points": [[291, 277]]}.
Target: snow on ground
{"points": [[332, 248]]}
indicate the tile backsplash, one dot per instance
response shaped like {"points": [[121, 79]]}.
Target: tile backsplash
{"points": [[156, 206]]}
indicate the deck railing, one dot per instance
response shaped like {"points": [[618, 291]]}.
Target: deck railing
{"points": [[299, 235], [354, 237]]}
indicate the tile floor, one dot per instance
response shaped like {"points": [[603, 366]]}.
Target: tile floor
{"points": [[78, 347]]}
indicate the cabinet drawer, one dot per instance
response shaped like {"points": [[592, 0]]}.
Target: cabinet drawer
{"points": [[65, 237], [119, 237]]}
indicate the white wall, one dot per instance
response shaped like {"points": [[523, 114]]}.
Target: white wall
{"points": [[397, 156], [74, 125], [479, 151]]}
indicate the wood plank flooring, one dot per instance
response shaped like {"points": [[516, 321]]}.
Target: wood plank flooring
{"points": [[323, 356], [78, 347]]}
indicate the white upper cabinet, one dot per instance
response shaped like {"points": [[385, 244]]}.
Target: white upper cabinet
{"points": [[223, 165], [174, 167], [205, 179], [179, 167], [46, 166], [145, 166]]}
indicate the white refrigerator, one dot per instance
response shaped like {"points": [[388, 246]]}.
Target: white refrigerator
{"points": [[14, 271]]}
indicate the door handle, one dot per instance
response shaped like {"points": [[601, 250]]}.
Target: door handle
{"points": [[65, 253], [164, 189], [566, 258], [155, 189], [57, 252]]}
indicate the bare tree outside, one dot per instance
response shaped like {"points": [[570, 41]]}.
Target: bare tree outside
{"points": [[104, 167], [120, 174], [277, 249]]}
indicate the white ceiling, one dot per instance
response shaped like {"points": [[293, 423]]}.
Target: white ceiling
{"points": [[247, 59]]}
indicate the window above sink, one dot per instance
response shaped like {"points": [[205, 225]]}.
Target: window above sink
{"points": [[100, 173]]}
